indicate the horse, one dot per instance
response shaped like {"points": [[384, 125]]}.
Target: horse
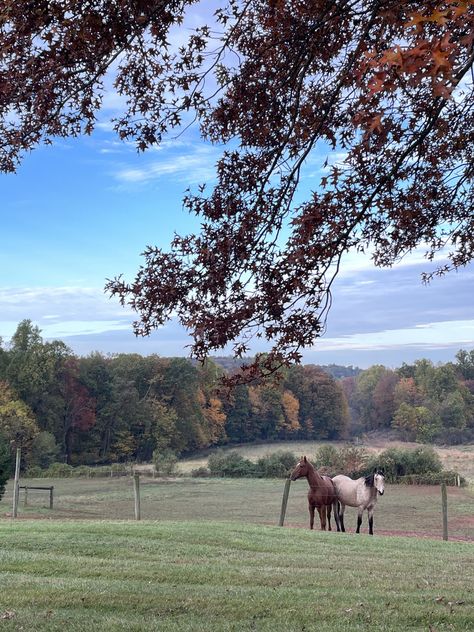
{"points": [[321, 494], [361, 493]]}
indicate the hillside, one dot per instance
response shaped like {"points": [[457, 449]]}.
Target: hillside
{"points": [[459, 458]]}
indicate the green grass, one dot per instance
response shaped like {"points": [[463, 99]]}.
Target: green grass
{"points": [[217, 577], [403, 509]]}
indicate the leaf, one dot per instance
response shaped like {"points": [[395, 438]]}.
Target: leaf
{"points": [[8, 614]]}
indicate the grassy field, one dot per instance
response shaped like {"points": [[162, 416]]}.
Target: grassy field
{"points": [[403, 510], [217, 577]]}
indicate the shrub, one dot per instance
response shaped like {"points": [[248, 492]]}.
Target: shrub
{"points": [[58, 470], [276, 465], [34, 472], [164, 462], [200, 472], [398, 462], [350, 460], [82, 471], [327, 456], [230, 464]]}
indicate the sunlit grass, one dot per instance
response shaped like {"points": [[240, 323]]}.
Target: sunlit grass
{"points": [[226, 576]]}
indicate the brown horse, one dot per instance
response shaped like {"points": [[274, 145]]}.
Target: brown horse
{"points": [[321, 494]]}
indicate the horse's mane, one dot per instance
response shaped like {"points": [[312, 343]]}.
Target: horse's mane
{"points": [[369, 480]]}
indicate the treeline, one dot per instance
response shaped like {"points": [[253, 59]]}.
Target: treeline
{"points": [[420, 401], [104, 409], [109, 409]]}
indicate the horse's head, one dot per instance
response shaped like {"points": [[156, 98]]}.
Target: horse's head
{"points": [[379, 481], [301, 469]]}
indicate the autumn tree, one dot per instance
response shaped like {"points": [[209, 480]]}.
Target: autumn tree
{"points": [[18, 426], [211, 401], [78, 407], [239, 415], [384, 86], [323, 409], [372, 401]]}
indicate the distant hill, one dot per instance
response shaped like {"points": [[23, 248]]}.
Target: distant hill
{"points": [[228, 363]]}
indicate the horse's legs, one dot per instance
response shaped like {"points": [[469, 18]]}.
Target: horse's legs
{"points": [[359, 519], [336, 515], [371, 521], [342, 508], [328, 513], [311, 516], [322, 517]]}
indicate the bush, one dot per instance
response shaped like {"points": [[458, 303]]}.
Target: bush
{"points": [[350, 460], [200, 472], [34, 472], [327, 456], [397, 462], [58, 470], [276, 465], [82, 471], [230, 464], [164, 462]]}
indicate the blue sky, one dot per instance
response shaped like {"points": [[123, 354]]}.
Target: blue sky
{"points": [[81, 211]]}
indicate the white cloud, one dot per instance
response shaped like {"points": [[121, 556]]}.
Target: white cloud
{"points": [[435, 335], [53, 308], [195, 166]]}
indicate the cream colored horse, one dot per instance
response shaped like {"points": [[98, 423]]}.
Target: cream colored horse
{"points": [[361, 493]]}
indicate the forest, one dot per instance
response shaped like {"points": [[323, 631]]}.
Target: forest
{"points": [[100, 409]]}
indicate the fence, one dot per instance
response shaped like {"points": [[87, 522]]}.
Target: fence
{"points": [[49, 488]]}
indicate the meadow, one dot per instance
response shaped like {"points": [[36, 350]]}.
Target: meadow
{"points": [[403, 510], [227, 576], [208, 556]]}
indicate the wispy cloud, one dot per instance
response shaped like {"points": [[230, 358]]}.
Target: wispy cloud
{"points": [[193, 164], [61, 310], [436, 335]]}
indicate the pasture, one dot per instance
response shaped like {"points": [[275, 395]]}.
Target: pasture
{"points": [[207, 556], [227, 576], [403, 510]]}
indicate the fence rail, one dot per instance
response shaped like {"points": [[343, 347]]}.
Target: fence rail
{"points": [[49, 488]]}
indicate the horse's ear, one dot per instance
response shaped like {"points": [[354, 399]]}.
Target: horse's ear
{"points": [[305, 460], [375, 470]]}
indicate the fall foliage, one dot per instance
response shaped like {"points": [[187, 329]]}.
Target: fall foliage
{"points": [[384, 86], [126, 407]]}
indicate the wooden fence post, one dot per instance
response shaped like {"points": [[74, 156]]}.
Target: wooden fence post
{"points": [[51, 497], [284, 501], [16, 488], [136, 487], [444, 502]]}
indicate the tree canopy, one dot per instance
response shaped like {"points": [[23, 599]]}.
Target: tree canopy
{"points": [[384, 86]]}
